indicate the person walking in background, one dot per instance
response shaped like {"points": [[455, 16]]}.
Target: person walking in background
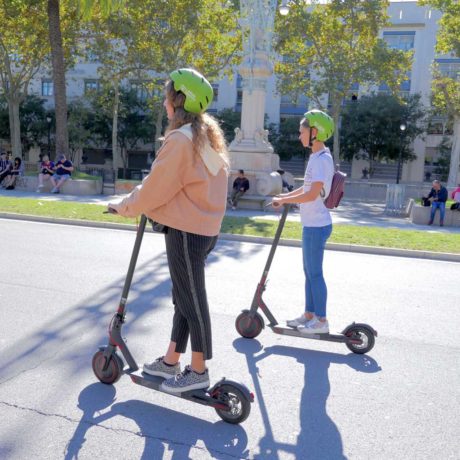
{"points": [[186, 192], [438, 197], [240, 187], [46, 172], [64, 168], [315, 128]]}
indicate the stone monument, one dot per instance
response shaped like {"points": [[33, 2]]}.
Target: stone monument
{"points": [[251, 150]]}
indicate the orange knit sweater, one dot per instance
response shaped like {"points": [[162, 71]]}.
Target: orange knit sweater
{"points": [[179, 191]]}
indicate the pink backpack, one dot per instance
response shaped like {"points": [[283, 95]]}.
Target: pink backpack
{"points": [[337, 190]]}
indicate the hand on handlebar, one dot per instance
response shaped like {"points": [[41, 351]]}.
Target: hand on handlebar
{"points": [[110, 210]]}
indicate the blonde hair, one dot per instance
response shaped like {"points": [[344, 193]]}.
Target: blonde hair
{"points": [[204, 127]]}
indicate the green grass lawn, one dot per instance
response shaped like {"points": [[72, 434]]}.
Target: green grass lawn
{"points": [[345, 234]]}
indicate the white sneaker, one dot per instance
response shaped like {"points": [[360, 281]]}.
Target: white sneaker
{"points": [[314, 326], [295, 323]]}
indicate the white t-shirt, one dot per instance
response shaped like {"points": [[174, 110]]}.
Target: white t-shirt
{"points": [[320, 168]]}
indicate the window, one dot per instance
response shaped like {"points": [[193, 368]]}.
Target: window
{"points": [[91, 85], [290, 100], [91, 56], [440, 125], [141, 89], [47, 87], [404, 87], [403, 41], [215, 88], [239, 91], [449, 68]]}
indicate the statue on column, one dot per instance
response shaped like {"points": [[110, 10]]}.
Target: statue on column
{"points": [[257, 20]]}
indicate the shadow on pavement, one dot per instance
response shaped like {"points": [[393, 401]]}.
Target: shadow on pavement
{"points": [[164, 431], [319, 437]]}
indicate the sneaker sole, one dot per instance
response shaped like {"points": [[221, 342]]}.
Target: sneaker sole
{"points": [[176, 390], [295, 326], [165, 375], [312, 331]]}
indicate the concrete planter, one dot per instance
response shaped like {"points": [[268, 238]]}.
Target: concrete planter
{"points": [[123, 186], [71, 187], [421, 215]]}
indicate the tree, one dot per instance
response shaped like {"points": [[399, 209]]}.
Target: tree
{"points": [[229, 119], [446, 89], [202, 34], [132, 113], [371, 128], [32, 121], [76, 8], [326, 49], [32, 115], [153, 38], [23, 51], [443, 166], [79, 124], [285, 139]]}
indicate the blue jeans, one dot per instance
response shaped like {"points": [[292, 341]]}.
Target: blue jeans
{"points": [[313, 244], [442, 210]]}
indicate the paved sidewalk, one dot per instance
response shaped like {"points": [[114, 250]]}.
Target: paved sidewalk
{"points": [[350, 212]]}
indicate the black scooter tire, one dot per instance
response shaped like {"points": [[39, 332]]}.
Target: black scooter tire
{"points": [[249, 326], [113, 372], [364, 334], [240, 405]]}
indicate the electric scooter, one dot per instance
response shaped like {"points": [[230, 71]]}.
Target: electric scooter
{"points": [[231, 400], [358, 337]]}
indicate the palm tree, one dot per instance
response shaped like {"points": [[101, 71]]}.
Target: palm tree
{"points": [[58, 65]]}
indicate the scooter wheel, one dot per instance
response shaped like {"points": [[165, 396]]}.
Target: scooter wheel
{"points": [[249, 326], [114, 370], [240, 407], [365, 335]]}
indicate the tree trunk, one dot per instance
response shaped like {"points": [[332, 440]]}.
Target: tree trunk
{"points": [[15, 128], [158, 129], [336, 145], [115, 150], [453, 179], [59, 90]]}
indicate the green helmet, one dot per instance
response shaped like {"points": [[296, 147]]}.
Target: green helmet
{"points": [[197, 90], [322, 122]]}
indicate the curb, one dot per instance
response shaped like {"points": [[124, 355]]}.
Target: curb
{"points": [[441, 256]]}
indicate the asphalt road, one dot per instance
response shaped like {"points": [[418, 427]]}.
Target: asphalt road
{"points": [[314, 400]]}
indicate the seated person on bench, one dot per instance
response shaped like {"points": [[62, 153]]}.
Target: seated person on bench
{"points": [[240, 187], [16, 170], [63, 172]]}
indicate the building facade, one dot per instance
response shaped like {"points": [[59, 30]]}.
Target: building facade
{"points": [[413, 27]]}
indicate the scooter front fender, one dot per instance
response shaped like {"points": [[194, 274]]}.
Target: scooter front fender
{"points": [[362, 325], [240, 386]]}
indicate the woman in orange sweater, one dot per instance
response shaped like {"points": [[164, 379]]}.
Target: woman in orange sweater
{"points": [[186, 192]]}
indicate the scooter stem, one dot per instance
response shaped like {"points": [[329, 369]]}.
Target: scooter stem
{"points": [[132, 265]]}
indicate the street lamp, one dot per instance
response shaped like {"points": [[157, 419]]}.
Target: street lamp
{"points": [[284, 8], [49, 120], [402, 128]]}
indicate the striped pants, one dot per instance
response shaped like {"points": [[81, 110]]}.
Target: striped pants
{"points": [[187, 254]]}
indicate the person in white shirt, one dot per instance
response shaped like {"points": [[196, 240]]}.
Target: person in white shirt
{"points": [[315, 128]]}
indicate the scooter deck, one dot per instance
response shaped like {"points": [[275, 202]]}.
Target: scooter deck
{"points": [[295, 333], [154, 383]]}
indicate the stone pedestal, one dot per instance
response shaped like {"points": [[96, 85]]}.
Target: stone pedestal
{"points": [[250, 150]]}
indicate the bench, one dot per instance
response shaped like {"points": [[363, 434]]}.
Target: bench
{"points": [[70, 187], [421, 215], [248, 201]]}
